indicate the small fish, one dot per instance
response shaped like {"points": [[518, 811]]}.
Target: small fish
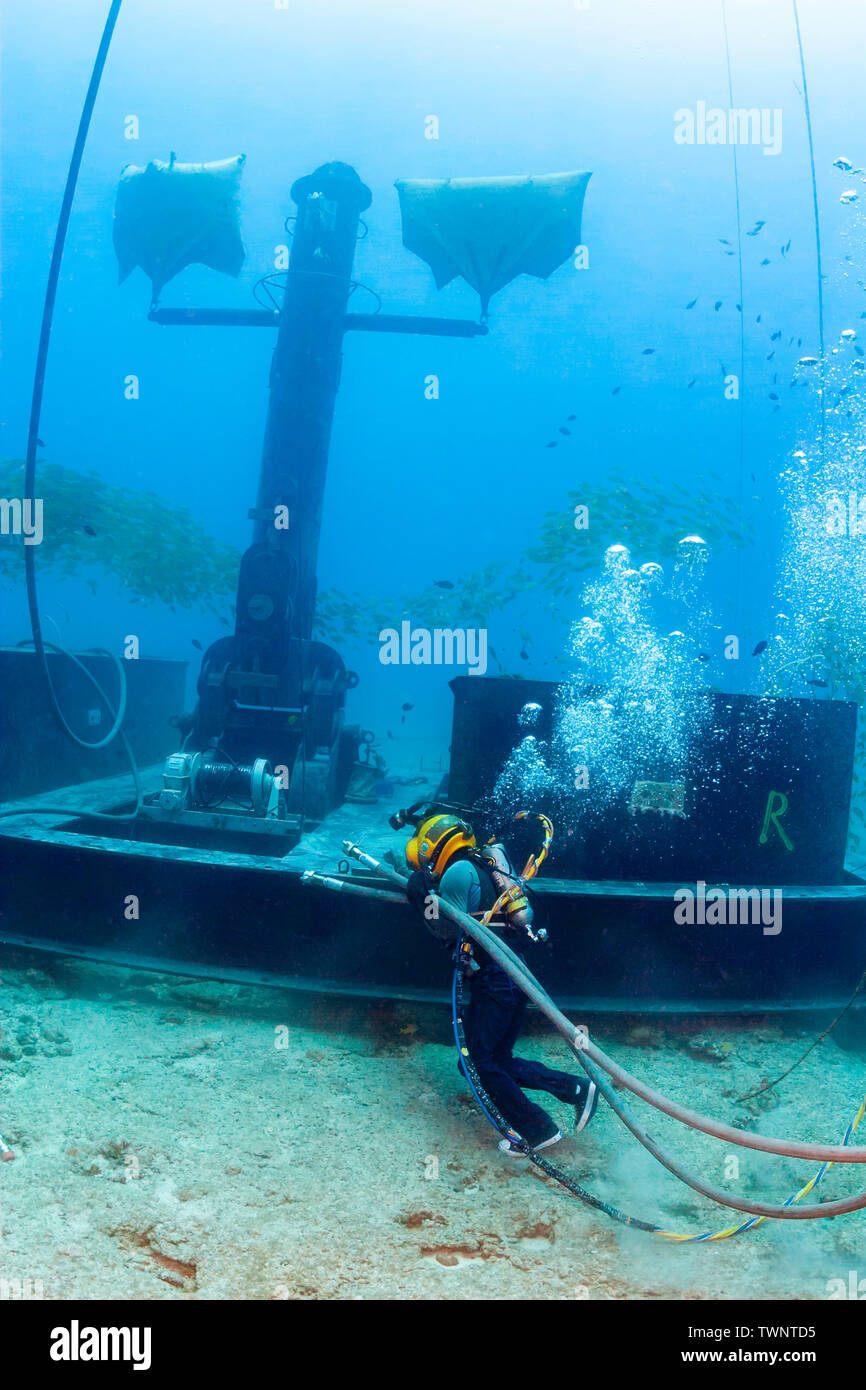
{"points": [[225, 622], [691, 383], [406, 707], [524, 655], [799, 342], [724, 241], [41, 443], [773, 396], [718, 304], [648, 352], [787, 246], [388, 733], [739, 308], [197, 644], [704, 656], [822, 685], [88, 530], [691, 304], [552, 444], [563, 430], [774, 337], [770, 356], [616, 390], [758, 319], [572, 417], [761, 647], [765, 261], [443, 583]]}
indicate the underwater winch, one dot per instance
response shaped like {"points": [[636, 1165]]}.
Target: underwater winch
{"points": [[196, 780]]}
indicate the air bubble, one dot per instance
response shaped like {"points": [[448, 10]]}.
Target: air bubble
{"points": [[529, 716], [616, 559], [693, 550]]}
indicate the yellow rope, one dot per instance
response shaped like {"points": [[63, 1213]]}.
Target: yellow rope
{"points": [[757, 1220]]}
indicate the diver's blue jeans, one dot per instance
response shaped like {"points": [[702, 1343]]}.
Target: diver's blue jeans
{"points": [[492, 1024]]}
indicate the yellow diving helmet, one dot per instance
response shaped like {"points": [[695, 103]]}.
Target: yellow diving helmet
{"points": [[436, 842]]}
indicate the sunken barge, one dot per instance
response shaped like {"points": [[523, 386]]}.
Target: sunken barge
{"points": [[144, 896], [200, 871]]}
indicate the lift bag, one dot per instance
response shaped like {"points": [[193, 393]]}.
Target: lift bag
{"points": [[492, 230], [168, 216]]}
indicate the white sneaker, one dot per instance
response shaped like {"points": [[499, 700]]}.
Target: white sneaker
{"points": [[585, 1103], [505, 1146]]}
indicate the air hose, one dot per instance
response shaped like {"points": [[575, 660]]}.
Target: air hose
{"points": [[339, 885], [116, 731], [582, 1046], [592, 1058], [760, 1211], [41, 647]]}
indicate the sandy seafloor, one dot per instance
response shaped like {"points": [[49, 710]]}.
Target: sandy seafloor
{"points": [[170, 1147]]}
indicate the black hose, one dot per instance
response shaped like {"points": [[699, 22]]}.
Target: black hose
{"points": [[42, 361], [40, 646]]}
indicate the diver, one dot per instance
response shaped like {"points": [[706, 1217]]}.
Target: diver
{"points": [[447, 863]]}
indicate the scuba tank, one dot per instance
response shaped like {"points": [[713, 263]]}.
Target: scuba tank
{"points": [[512, 901]]}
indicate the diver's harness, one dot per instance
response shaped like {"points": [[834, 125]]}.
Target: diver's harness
{"points": [[512, 907]]}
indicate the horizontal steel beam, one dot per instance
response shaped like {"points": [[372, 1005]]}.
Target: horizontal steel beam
{"points": [[411, 323], [355, 323], [215, 318]]}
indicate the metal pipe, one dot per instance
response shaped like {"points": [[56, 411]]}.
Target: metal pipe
{"points": [[358, 890]]}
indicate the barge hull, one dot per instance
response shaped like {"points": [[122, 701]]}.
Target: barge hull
{"points": [[248, 918]]}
